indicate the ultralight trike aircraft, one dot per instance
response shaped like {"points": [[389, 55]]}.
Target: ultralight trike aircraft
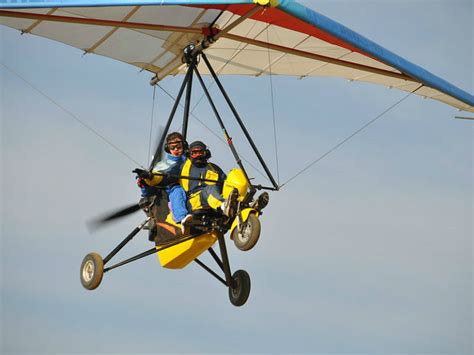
{"points": [[226, 37], [177, 249]]}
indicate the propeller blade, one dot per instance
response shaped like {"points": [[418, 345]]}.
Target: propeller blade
{"points": [[113, 216]]}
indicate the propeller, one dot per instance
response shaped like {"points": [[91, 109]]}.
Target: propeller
{"points": [[122, 212], [125, 211]]}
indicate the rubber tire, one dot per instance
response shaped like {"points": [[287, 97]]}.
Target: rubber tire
{"points": [[244, 244], [240, 290], [92, 271]]}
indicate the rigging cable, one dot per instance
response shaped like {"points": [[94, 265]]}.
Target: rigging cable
{"points": [[273, 109], [74, 116], [151, 124], [349, 137]]}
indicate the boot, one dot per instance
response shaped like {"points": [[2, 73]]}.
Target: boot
{"points": [[186, 223], [261, 202], [228, 207]]}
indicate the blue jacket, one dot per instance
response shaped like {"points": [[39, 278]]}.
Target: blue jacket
{"points": [[170, 165]]}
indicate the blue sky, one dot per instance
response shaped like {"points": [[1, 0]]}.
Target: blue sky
{"points": [[368, 252]]}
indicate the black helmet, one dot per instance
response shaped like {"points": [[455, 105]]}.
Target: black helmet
{"points": [[198, 153]]}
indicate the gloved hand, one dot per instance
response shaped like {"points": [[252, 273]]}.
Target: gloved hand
{"points": [[143, 174], [141, 182]]}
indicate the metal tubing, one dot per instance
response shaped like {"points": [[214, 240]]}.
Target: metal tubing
{"points": [[225, 259], [216, 258], [170, 119], [260, 187], [149, 252], [237, 117], [126, 240], [188, 178], [139, 256], [221, 123], [205, 267], [187, 102], [303, 54]]}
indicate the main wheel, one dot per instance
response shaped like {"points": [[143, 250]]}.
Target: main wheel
{"points": [[92, 270], [250, 233], [240, 290]]}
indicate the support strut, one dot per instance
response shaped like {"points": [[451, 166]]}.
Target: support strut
{"points": [[189, 74], [241, 124], [216, 258], [205, 267], [189, 86], [126, 240], [190, 56], [153, 250], [225, 259], [221, 123]]}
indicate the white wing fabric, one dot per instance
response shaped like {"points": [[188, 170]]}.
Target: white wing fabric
{"points": [[256, 37]]}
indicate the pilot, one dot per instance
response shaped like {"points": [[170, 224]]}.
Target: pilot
{"points": [[205, 194]]}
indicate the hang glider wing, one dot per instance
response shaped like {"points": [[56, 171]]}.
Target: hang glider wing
{"points": [[248, 37]]}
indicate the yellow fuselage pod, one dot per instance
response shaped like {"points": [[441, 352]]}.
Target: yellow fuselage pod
{"points": [[235, 180], [180, 255]]}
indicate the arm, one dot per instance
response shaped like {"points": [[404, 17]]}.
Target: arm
{"points": [[160, 174]]}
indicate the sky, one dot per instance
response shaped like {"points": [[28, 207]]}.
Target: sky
{"points": [[367, 252]]}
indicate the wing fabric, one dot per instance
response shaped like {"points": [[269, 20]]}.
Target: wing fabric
{"points": [[283, 39]]}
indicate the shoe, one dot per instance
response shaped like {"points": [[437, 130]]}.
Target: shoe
{"points": [[229, 204], [261, 202], [186, 223]]}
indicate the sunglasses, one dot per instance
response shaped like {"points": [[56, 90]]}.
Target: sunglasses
{"points": [[175, 145], [196, 152]]}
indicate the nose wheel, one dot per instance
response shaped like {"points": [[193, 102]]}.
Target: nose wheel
{"points": [[247, 235]]}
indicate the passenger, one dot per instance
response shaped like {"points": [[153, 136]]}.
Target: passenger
{"points": [[175, 148]]}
